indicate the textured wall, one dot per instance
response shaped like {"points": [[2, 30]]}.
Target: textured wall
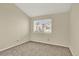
{"points": [[60, 30], [14, 26], [36, 49], [74, 29]]}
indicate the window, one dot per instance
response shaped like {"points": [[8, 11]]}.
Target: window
{"points": [[43, 25]]}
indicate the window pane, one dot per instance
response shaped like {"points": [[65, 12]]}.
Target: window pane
{"points": [[42, 26]]}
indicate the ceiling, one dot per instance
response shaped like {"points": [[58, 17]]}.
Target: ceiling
{"points": [[39, 9]]}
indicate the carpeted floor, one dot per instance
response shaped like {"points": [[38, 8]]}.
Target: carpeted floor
{"points": [[36, 49]]}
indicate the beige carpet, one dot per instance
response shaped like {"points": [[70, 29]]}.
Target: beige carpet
{"points": [[36, 49]]}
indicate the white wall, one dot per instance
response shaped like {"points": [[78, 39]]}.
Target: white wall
{"points": [[74, 29], [14, 26], [60, 34]]}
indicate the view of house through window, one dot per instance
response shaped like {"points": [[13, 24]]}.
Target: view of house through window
{"points": [[43, 25]]}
